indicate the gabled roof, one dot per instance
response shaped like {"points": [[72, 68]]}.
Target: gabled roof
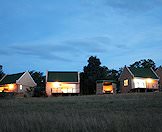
{"points": [[8, 79], [53, 76], [144, 73]]}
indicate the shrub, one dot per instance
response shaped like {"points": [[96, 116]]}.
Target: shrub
{"points": [[39, 92]]}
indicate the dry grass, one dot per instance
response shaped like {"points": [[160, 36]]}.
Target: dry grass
{"points": [[114, 113]]}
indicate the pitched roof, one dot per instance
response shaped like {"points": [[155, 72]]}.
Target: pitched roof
{"points": [[144, 73], [8, 79], [62, 76]]}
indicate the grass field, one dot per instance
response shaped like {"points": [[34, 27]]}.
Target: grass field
{"points": [[112, 113]]}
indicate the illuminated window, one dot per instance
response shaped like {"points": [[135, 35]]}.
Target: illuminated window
{"points": [[11, 86], [149, 80], [57, 85], [21, 87], [143, 85], [139, 83], [126, 82]]}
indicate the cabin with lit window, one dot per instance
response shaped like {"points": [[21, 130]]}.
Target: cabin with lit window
{"points": [[138, 80], [159, 73], [62, 83], [105, 87], [17, 83]]}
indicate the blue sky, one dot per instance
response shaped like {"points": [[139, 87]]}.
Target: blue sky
{"points": [[62, 34]]}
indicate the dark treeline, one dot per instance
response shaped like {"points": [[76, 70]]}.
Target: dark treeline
{"points": [[1, 72], [92, 72]]}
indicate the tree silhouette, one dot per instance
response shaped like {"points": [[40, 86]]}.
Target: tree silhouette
{"points": [[38, 78], [144, 64], [1, 72], [113, 74], [91, 73]]}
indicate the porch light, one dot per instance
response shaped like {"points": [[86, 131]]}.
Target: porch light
{"points": [[11, 86], [56, 84]]}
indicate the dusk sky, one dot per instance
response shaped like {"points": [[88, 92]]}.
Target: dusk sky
{"points": [[60, 35]]}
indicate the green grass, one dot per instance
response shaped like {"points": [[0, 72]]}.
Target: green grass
{"points": [[111, 113]]}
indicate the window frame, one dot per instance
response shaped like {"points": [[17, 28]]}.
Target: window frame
{"points": [[126, 82]]}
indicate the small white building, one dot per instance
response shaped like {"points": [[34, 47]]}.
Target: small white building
{"points": [[18, 83], [138, 80], [62, 83], [105, 86]]}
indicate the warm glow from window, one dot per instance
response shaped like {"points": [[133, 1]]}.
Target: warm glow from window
{"points": [[126, 82], [149, 80], [1, 89], [64, 88], [57, 84], [21, 87], [107, 88], [11, 86], [139, 83]]}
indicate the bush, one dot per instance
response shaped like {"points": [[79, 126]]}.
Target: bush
{"points": [[39, 92]]}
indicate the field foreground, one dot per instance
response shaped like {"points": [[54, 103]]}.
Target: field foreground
{"points": [[114, 113]]}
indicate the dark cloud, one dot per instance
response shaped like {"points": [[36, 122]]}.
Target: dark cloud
{"points": [[41, 51], [122, 46], [4, 51], [55, 57], [93, 44], [34, 48], [135, 6], [65, 50]]}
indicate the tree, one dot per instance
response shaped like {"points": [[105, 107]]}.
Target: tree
{"points": [[148, 64], [1, 72], [144, 64], [91, 73], [120, 71], [136, 64], [38, 78], [113, 74]]}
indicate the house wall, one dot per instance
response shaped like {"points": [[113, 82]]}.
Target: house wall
{"points": [[99, 88], [114, 88], [126, 75], [65, 87], [23, 89], [152, 85], [144, 83], [14, 88], [159, 73], [26, 80], [9, 88]]}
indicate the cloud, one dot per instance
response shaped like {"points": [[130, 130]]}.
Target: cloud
{"points": [[121, 46], [65, 50], [137, 5], [41, 51], [47, 52], [4, 51], [92, 44], [127, 6]]}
